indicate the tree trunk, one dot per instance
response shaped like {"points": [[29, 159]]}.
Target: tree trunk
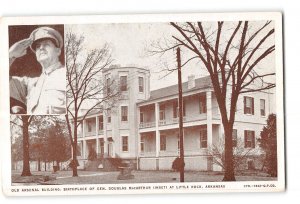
{"points": [[75, 173], [229, 165], [26, 165], [39, 164]]}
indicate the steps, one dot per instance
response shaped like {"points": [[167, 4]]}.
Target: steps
{"points": [[105, 164]]}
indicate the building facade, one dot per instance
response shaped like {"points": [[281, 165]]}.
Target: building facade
{"points": [[143, 125]]}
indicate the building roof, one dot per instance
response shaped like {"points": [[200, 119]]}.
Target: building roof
{"points": [[92, 112], [200, 83]]}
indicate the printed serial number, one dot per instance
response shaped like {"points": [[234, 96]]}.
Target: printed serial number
{"points": [[259, 186]]}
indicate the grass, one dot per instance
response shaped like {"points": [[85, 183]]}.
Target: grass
{"points": [[87, 177]]}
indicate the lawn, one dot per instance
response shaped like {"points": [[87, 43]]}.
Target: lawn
{"points": [[88, 177]]}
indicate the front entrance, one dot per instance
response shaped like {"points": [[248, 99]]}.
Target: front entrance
{"points": [[91, 149]]}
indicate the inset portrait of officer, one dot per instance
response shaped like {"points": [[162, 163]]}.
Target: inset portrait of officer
{"points": [[37, 71]]}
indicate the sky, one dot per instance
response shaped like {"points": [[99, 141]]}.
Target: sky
{"points": [[130, 43]]}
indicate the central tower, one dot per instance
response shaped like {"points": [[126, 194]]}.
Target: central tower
{"points": [[120, 119]]}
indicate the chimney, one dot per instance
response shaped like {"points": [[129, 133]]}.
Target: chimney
{"points": [[191, 81]]}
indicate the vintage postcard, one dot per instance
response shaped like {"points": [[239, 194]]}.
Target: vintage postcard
{"points": [[139, 104]]}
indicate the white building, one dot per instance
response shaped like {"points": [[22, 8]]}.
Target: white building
{"points": [[143, 126]]}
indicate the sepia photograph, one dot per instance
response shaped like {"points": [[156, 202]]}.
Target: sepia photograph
{"points": [[188, 104], [37, 71]]}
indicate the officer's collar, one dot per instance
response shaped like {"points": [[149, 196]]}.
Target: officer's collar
{"points": [[52, 68]]}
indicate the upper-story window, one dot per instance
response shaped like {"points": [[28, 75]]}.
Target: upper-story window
{"points": [[248, 105], [175, 109], [262, 107], [89, 125], [123, 83], [108, 115], [124, 113], [100, 123], [249, 137], [141, 117], [108, 84], [202, 104], [162, 112], [141, 84]]}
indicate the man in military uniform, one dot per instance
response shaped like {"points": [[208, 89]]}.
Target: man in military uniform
{"points": [[45, 94]]}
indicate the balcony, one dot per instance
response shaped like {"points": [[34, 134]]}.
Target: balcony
{"points": [[173, 121], [185, 119], [92, 133], [147, 125]]}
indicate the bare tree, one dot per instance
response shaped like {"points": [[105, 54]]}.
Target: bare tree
{"points": [[24, 125], [85, 88], [240, 153], [231, 52]]}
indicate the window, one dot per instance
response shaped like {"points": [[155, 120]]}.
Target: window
{"points": [[163, 142], [141, 84], [108, 86], [161, 112], [202, 104], [125, 143], [100, 123], [175, 109], [234, 137], [248, 105], [79, 149], [141, 117], [262, 107], [183, 108], [123, 83], [203, 138], [142, 143], [101, 146], [89, 126], [124, 113], [109, 115], [249, 137]]}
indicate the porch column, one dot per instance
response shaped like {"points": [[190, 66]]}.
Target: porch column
{"points": [[138, 130], [105, 136], [209, 118], [97, 135], [157, 135], [84, 149], [209, 127], [83, 128], [83, 141]]}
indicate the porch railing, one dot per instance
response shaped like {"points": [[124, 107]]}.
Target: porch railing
{"points": [[171, 121], [189, 118], [147, 124], [175, 153]]}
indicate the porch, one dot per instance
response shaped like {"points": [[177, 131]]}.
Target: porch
{"points": [[158, 149]]}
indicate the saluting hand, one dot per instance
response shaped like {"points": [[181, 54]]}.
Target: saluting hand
{"points": [[19, 49]]}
